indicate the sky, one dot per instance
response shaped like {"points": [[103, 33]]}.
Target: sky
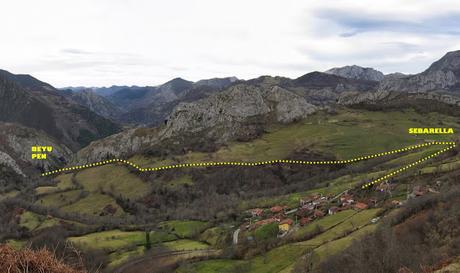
{"points": [[148, 42]]}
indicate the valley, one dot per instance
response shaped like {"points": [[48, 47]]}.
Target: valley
{"points": [[224, 175], [122, 199]]}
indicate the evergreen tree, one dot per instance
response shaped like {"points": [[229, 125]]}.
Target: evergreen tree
{"points": [[148, 243]]}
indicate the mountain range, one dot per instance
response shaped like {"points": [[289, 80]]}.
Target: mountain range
{"points": [[184, 179], [194, 113]]}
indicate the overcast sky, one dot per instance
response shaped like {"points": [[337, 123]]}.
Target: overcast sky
{"points": [[148, 42]]}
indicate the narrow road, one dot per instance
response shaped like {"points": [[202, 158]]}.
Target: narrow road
{"points": [[235, 236]]}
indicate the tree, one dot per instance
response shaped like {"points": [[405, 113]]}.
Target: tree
{"points": [[148, 243]]}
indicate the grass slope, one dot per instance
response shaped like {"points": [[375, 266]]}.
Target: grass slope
{"points": [[115, 179]]}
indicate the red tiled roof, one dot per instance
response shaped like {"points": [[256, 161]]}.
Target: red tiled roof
{"points": [[305, 220], [257, 211], [276, 209], [265, 221], [287, 221], [318, 213], [360, 205]]}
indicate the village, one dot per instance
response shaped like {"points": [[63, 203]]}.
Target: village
{"points": [[316, 206]]}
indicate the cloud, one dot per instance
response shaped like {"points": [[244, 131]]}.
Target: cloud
{"points": [[75, 51], [359, 22], [147, 42]]}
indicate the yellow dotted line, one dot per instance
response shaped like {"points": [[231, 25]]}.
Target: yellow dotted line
{"points": [[208, 164], [413, 164]]}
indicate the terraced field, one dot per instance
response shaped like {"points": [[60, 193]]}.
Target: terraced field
{"points": [[349, 134]]}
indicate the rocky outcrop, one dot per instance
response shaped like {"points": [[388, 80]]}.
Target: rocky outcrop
{"points": [[350, 98], [119, 145], [227, 111], [7, 160], [384, 96], [357, 72], [17, 141]]}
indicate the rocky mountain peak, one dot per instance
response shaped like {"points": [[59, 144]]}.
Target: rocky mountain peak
{"points": [[177, 85], [217, 82], [357, 72], [449, 62], [442, 76]]}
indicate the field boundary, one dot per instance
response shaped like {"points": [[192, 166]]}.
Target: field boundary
{"points": [[450, 144]]}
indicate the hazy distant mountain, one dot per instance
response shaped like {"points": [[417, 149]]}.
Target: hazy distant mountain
{"points": [[357, 72], [107, 91], [323, 89], [217, 82], [32, 103], [151, 105], [96, 103]]}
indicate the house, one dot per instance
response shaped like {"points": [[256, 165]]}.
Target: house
{"points": [[333, 210], [360, 206], [257, 212], [309, 206], [309, 199], [276, 209], [304, 212], [305, 201], [318, 214], [265, 221], [346, 199], [285, 225], [304, 221]]}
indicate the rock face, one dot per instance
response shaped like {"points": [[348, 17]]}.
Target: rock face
{"points": [[96, 103], [384, 96], [225, 112], [16, 141], [119, 145], [443, 75], [357, 72], [7, 160]]}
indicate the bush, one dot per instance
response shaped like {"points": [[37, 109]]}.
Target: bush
{"points": [[27, 260], [265, 232]]}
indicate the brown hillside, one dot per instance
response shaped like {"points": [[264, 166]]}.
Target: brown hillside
{"points": [[27, 260]]}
